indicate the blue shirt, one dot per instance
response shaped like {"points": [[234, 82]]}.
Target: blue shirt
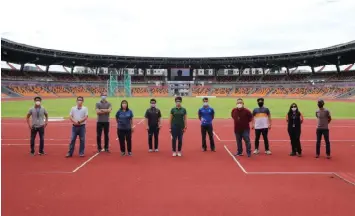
{"points": [[206, 114], [123, 119]]}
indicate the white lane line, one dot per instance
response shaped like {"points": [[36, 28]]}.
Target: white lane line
{"points": [[344, 179], [290, 173], [287, 140], [87, 161], [214, 133], [235, 160]]}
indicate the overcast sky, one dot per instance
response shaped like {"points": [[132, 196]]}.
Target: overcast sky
{"points": [[180, 28]]}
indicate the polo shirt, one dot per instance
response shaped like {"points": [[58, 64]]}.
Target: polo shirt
{"points": [[38, 116], [261, 117], [323, 116], [153, 115], [206, 114], [123, 119], [178, 115], [79, 114], [103, 117], [241, 117]]}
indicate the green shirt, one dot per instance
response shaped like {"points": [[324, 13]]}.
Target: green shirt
{"points": [[178, 117]]}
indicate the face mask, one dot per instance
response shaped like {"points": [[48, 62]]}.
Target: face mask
{"points": [[293, 109], [79, 102], [320, 105], [177, 103], [38, 103], [261, 104], [239, 106], [152, 105], [124, 105], [205, 103], [103, 97]]}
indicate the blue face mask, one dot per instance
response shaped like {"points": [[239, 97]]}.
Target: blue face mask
{"points": [[103, 97]]}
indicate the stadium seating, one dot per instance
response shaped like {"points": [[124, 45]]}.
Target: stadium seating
{"points": [[159, 92], [200, 91], [140, 91], [221, 92], [241, 92]]}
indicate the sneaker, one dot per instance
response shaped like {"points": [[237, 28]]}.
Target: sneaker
{"points": [[239, 154], [299, 154], [129, 153], [174, 154], [123, 153], [68, 155], [317, 156], [81, 155], [292, 154], [256, 151], [150, 150], [156, 150], [179, 154], [268, 152], [107, 150], [203, 149], [33, 154], [249, 155], [328, 157], [41, 153], [213, 150]]}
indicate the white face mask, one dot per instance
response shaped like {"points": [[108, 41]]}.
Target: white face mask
{"points": [[38, 103], [239, 105], [177, 103], [293, 109], [205, 103], [103, 97]]}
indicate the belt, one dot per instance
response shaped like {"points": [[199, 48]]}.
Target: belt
{"points": [[79, 125]]}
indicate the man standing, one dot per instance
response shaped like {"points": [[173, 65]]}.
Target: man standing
{"points": [[242, 118], [206, 116], [78, 117], [177, 125], [39, 122], [103, 110], [262, 125], [153, 124], [323, 120]]}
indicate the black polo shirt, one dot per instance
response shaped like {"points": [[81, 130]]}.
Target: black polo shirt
{"points": [[153, 115]]}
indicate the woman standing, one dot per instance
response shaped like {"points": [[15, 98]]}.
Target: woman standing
{"points": [[294, 119], [124, 118]]}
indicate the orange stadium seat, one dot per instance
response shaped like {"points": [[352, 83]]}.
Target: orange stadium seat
{"points": [[241, 92], [140, 92], [221, 92], [159, 92], [200, 91]]}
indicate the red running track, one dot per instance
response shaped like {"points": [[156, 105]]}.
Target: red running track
{"points": [[199, 183]]}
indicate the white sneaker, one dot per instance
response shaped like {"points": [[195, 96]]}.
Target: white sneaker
{"points": [[256, 151], [179, 154], [174, 154], [150, 150], [268, 152], [156, 150]]}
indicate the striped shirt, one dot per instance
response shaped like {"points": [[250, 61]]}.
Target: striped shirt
{"points": [[261, 117]]}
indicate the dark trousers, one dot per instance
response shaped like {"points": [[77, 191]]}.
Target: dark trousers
{"points": [[325, 133], [177, 134], [209, 130], [263, 132], [125, 136], [105, 126], [153, 131], [75, 132], [295, 136], [34, 132], [245, 135]]}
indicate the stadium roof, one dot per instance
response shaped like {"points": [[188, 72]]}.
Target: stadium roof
{"points": [[21, 53]]}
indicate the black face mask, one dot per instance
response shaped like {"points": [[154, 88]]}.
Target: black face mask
{"points": [[320, 105], [261, 104]]}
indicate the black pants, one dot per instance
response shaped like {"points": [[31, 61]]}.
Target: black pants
{"points": [[263, 132], [325, 133], [125, 136], [106, 128], [153, 131], [177, 134], [209, 130], [34, 132], [295, 136]]}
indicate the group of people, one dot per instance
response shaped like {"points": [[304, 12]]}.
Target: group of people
{"points": [[244, 120]]}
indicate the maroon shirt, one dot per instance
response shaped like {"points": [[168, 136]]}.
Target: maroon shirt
{"points": [[242, 117]]}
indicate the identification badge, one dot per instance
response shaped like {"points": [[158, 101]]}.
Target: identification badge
{"points": [[293, 125]]}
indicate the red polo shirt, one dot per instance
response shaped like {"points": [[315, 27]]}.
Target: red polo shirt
{"points": [[242, 117]]}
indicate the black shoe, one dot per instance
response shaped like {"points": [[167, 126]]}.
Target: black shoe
{"points": [[41, 153], [81, 155], [68, 155], [107, 151], [213, 150], [239, 154], [129, 153], [32, 154], [99, 150], [317, 156], [299, 154], [292, 154], [328, 157], [203, 149]]}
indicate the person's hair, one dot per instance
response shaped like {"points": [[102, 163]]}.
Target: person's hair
{"points": [[153, 100], [178, 98], [205, 99], [80, 97], [260, 99], [37, 98], [240, 99], [290, 110], [126, 102]]}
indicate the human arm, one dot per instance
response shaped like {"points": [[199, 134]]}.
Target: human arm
{"points": [[185, 121], [146, 115], [71, 117], [329, 117], [269, 117], [253, 120], [29, 114], [287, 117], [46, 118], [86, 115], [131, 121], [212, 114], [301, 118], [199, 114], [171, 119], [159, 119]]}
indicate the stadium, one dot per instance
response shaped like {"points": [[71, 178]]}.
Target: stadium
{"points": [[152, 184]]}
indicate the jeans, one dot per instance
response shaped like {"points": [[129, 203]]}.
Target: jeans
{"points": [[125, 136], [209, 130], [177, 134], [263, 132], [105, 126], [325, 133], [153, 131], [34, 132], [245, 134], [77, 131]]}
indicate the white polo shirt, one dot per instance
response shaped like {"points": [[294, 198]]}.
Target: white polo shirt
{"points": [[79, 114]]}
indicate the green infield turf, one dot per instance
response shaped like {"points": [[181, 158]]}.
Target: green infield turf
{"points": [[60, 107]]}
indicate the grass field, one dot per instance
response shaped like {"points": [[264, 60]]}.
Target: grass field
{"points": [[60, 107]]}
